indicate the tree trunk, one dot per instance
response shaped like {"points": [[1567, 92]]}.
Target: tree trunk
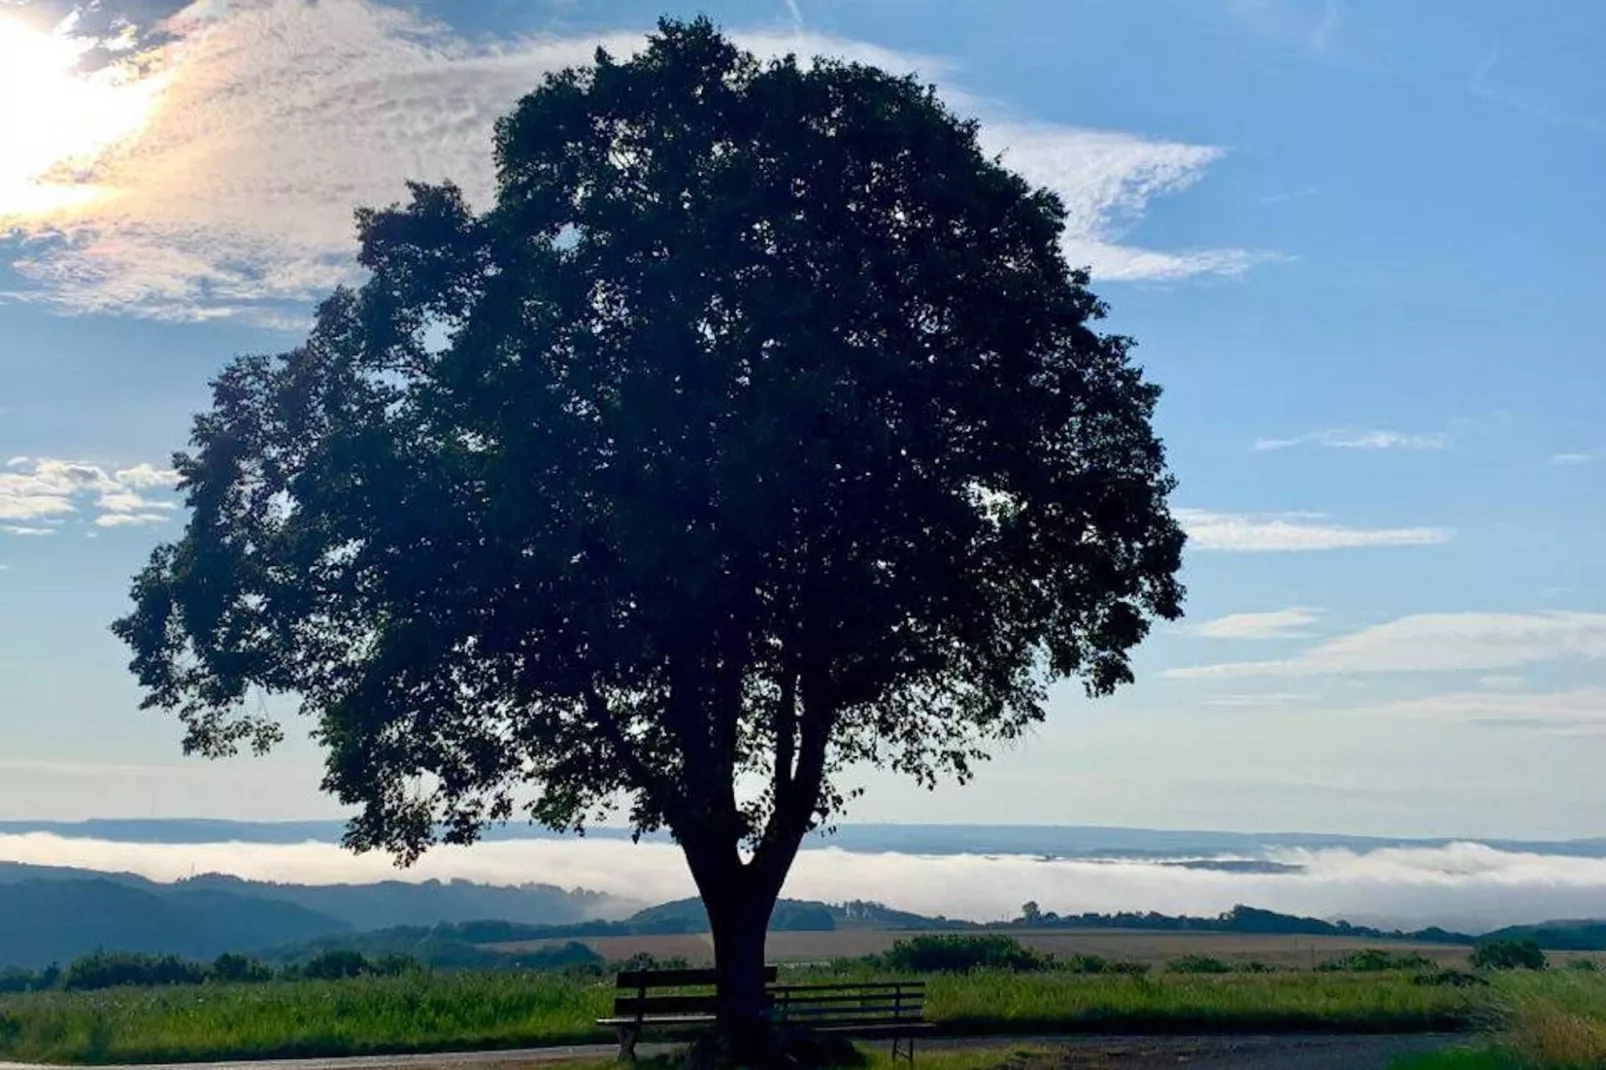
{"points": [[739, 918]]}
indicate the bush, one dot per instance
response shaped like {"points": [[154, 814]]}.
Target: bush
{"points": [[1098, 964], [335, 964], [1449, 979], [1508, 955], [949, 953], [105, 970], [1199, 964], [1376, 960], [237, 969], [646, 960], [1583, 965]]}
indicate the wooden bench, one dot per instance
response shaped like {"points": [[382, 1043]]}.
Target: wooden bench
{"points": [[894, 1009], [684, 999]]}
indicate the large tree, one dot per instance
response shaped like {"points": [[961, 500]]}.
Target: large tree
{"points": [[758, 433]]}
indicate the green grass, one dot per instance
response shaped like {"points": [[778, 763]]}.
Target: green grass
{"points": [[1288, 1002], [456, 1011], [383, 1015]]}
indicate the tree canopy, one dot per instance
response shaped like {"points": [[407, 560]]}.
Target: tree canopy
{"points": [[758, 430]]}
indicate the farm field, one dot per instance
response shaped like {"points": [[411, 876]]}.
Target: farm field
{"points": [[1132, 945]]}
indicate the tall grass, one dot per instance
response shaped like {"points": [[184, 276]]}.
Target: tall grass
{"points": [[1556, 1015], [1171, 1003], [303, 1018]]}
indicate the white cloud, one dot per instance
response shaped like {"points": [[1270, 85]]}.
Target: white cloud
{"points": [[146, 476], [1260, 700], [1434, 642], [277, 118], [1581, 711], [129, 520], [1339, 438], [43, 490], [1277, 624], [1568, 459], [1288, 532], [1461, 883]]}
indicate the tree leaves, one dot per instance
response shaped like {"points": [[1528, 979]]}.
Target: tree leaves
{"points": [[757, 430]]}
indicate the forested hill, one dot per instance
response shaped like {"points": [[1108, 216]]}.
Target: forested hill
{"points": [[46, 921]]}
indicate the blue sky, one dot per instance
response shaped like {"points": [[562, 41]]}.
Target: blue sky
{"points": [[1357, 242]]}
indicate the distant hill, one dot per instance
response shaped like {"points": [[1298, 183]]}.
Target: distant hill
{"points": [[56, 913], [401, 903], [45, 921], [1587, 935]]}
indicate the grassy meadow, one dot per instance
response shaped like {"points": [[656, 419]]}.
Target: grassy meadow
{"points": [[443, 1011]]}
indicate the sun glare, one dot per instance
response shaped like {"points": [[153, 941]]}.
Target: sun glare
{"points": [[55, 121]]}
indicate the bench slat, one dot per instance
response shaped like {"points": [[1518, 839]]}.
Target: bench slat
{"points": [[907, 986], [908, 999], [685, 1004], [880, 1010]]}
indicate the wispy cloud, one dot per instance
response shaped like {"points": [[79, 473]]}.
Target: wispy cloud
{"points": [[276, 118], [1258, 700], [45, 492], [1481, 83], [1332, 19], [1292, 532], [1276, 624], [1348, 439], [1433, 642], [1571, 459], [1577, 712]]}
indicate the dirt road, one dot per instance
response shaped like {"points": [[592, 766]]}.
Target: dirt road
{"points": [[1021, 1053]]}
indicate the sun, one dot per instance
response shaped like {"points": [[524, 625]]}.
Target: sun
{"points": [[57, 120]]}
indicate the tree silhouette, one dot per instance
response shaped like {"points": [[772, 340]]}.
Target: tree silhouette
{"points": [[756, 433]]}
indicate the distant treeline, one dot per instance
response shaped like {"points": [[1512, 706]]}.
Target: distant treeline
{"points": [[123, 969], [1240, 919]]}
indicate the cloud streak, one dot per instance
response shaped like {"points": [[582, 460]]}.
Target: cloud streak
{"points": [[1434, 642], [1344, 439], [1294, 532], [1461, 884], [42, 493], [276, 118], [1276, 624]]}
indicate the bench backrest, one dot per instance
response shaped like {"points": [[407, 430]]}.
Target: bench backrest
{"points": [[865, 1004], [641, 993]]}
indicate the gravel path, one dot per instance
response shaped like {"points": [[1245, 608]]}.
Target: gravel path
{"points": [[1284, 1052]]}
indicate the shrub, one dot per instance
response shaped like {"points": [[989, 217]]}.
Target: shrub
{"points": [[1098, 964], [950, 953], [1449, 979], [1508, 955], [1376, 960], [335, 964], [646, 960], [395, 964], [1583, 965], [1199, 964], [237, 969], [108, 970]]}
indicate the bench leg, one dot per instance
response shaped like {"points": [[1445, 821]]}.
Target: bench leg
{"points": [[627, 1043]]}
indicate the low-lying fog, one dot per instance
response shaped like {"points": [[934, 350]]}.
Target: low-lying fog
{"points": [[1464, 885]]}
